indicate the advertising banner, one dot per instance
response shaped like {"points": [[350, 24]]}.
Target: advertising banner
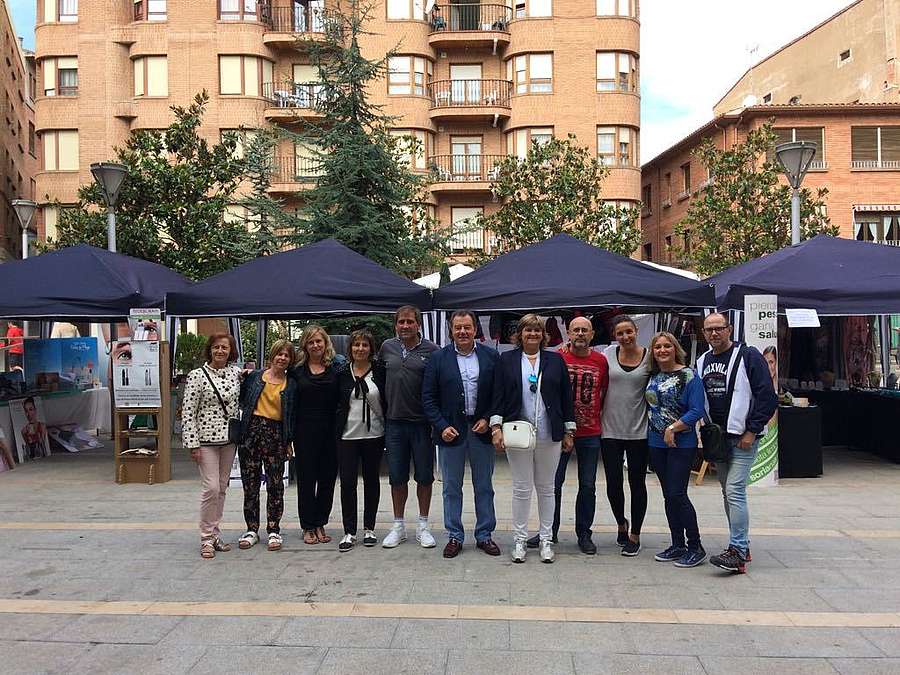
{"points": [[761, 331], [61, 364], [136, 374]]}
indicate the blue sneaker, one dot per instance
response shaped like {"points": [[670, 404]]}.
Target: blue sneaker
{"points": [[671, 554], [692, 558]]}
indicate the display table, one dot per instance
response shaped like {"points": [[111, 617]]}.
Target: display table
{"points": [[864, 419], [89, 409], [799, 442]]}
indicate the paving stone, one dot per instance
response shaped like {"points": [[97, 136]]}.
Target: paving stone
{"points": [[225, 630], [34, 627], [569, 637], [866, 666], [269, 660], [383, 662], [338, 632], [763, 665], [452, 634], [117, 629], [674, 639], [807, 642], [477, 662], [627, 664], [40, 657], [886, 639], [144, 659]]}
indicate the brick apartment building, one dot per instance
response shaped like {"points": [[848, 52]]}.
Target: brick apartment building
{"points": [[836, 86], [473, 82], [18, 152]]}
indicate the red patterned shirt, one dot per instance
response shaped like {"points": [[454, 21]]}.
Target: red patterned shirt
{"points": [[590, 380]]}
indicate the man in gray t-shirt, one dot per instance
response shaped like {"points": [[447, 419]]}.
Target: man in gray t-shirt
{"points": [[407, 435]]}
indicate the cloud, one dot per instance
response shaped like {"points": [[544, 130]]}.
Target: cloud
{"points": [[692, 52]]}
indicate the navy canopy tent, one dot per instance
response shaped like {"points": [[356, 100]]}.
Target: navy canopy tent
{"points": [[325, 278], [565, 272], [836, 277], [83, 283]]}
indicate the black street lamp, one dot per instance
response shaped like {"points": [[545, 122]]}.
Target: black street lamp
{"points": [[109, 176]]}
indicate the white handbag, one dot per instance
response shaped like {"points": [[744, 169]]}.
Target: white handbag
{"points": [[522, 434]]}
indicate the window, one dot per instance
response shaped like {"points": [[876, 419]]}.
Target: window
{"points": [[533, 73], [668, 183], [767, 98], [399, 10], [238, 10], [408, 75], [243, 74], [149, 10], [844, 56], [669, 248], [617, 8], [648, 252], [31, 139], [875, 147], [616, 71], [883, 228], [68, 11], [535, 8], [616, 146], [465, 236], [685, 180], [810, 135], [60, 76], [519, 141], [413, 146], [243, 138], [646, 197], [51, 218], [60, 150], [151, 76]]}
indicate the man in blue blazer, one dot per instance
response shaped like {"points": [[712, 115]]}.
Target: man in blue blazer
{"points": [[456, 396]]}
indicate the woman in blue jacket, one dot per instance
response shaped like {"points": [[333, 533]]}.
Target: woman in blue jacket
{"points": [[676, 403], [267, 425]]}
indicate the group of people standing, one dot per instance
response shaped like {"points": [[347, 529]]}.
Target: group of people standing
{"points": [[336, 415]]}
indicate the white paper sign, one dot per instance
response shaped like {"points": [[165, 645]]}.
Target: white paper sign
{"points": [[802, 318], [136, 374]]}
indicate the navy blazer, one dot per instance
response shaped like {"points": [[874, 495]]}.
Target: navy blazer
{"points": [[443, 398], [556, 390]]}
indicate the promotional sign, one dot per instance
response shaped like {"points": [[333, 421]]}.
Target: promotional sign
{"points": [[145, 324], [61, 364], [761, 331], [136, 374], [30, 428]]}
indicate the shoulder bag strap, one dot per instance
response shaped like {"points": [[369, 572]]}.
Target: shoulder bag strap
{"points": [[216, 391]]}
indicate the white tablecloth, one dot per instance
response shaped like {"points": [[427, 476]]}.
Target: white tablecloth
{"points": [[89, 409]]}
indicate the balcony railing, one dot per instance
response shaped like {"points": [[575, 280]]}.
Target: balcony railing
{"points": [[462, 93], [291, 169], [465, 168], [470, 17], [288, 94], [468, 240], [889, 242], [298, 19], [144, 12], [875, 164]]}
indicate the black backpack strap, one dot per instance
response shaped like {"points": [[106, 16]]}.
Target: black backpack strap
{"points": [[729, 394], [216, 391]]}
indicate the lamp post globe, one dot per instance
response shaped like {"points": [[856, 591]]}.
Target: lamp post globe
{"points": [[24, 209], [109, 176], [795, 159]]}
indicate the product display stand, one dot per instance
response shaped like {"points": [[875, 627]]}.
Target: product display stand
{"points": [[143, 447]]}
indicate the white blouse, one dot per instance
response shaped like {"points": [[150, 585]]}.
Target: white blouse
{"points": [[203, 421]]}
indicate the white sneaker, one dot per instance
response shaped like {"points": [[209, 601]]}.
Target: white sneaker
{"points": [[423, 536], [347, 543], [519, 551], [396, 535], [547, 554]]}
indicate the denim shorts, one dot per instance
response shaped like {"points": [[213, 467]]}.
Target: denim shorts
{"points": [[409, 440]]}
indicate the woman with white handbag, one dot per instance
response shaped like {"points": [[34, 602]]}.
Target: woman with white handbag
{"points": [[533, 419]]}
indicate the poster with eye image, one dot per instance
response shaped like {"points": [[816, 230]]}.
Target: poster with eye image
{"points": [[136, 374]]}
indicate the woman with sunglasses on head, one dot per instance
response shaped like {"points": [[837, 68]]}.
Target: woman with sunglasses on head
{"points": [[625, 431], [314, 438], [360, 433], [677, 402], [531, 384]]}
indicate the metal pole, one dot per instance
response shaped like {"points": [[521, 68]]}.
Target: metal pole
{"points": [[24, 243], [795, 216], [111, 229]]}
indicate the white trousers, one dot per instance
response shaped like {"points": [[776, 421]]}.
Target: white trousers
{"points": [[534, 470]]}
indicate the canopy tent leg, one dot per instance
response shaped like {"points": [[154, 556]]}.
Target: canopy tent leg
{"points": [[262, 326]]}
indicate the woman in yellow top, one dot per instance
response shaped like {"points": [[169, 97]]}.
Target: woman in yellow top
{"points": [[267, 425]]}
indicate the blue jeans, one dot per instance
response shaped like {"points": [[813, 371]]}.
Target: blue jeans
{"points": [[588, 451], [405, 441], [453, 467], [673, 468], [733, 476]]}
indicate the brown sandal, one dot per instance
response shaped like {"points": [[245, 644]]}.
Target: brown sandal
{"points": [[220, 545], [309, 537], [207, 550], [322, 536]]}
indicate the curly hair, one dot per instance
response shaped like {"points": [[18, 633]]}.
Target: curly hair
{"points": [[213, 339]]}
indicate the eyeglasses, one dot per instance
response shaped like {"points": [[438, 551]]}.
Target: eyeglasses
{"points": [[716, 329]]}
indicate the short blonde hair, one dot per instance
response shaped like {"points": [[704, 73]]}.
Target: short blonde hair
{"points": [[528, 321], [680, 354], [280, 346], [308, 333]]}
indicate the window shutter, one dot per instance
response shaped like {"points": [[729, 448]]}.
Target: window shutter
{"points": [[890, 144], [157, 76], [864, 141], [251, 76], [49, 139], [813, 135], [230, 74], [68, 150]]}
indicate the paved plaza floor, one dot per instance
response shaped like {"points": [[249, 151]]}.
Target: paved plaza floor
{"points": [[106, 578]]}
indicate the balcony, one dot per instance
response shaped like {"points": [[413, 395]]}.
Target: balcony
{"points": [[289, 26], [289, 101], [469, 26], [464, 173], [467, 241], [684, 194], [470, 100], [875, 164], [293, 174]]}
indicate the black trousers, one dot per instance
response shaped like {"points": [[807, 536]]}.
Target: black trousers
{"points": [[614, 451], [673, 468], [351, 454], [316, 468]]}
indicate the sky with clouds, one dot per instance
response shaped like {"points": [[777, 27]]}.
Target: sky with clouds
{"points": [[692, 51]]}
